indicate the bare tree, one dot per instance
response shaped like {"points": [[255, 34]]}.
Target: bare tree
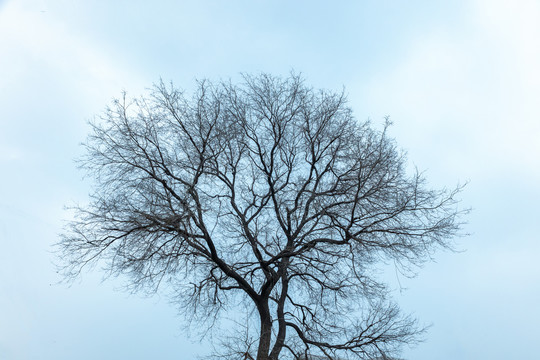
{"points": [[268, 197]]}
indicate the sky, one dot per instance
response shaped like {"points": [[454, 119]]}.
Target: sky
{"points": [[460, 80]]}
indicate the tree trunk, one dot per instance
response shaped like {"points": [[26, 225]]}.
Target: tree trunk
{"points": [[282, 328], [266, 331]]}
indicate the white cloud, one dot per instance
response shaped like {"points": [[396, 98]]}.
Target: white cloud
{"points": [[467, 96], [35, 43], [10, 153]]}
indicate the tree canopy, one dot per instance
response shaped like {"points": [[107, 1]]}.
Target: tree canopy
{"points": [[266, 199]]}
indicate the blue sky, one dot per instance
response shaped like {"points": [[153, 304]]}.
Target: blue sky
{"points": [[459, 79]]}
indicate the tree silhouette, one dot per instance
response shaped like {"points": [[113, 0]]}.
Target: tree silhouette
{"points": [[267, 197]]}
